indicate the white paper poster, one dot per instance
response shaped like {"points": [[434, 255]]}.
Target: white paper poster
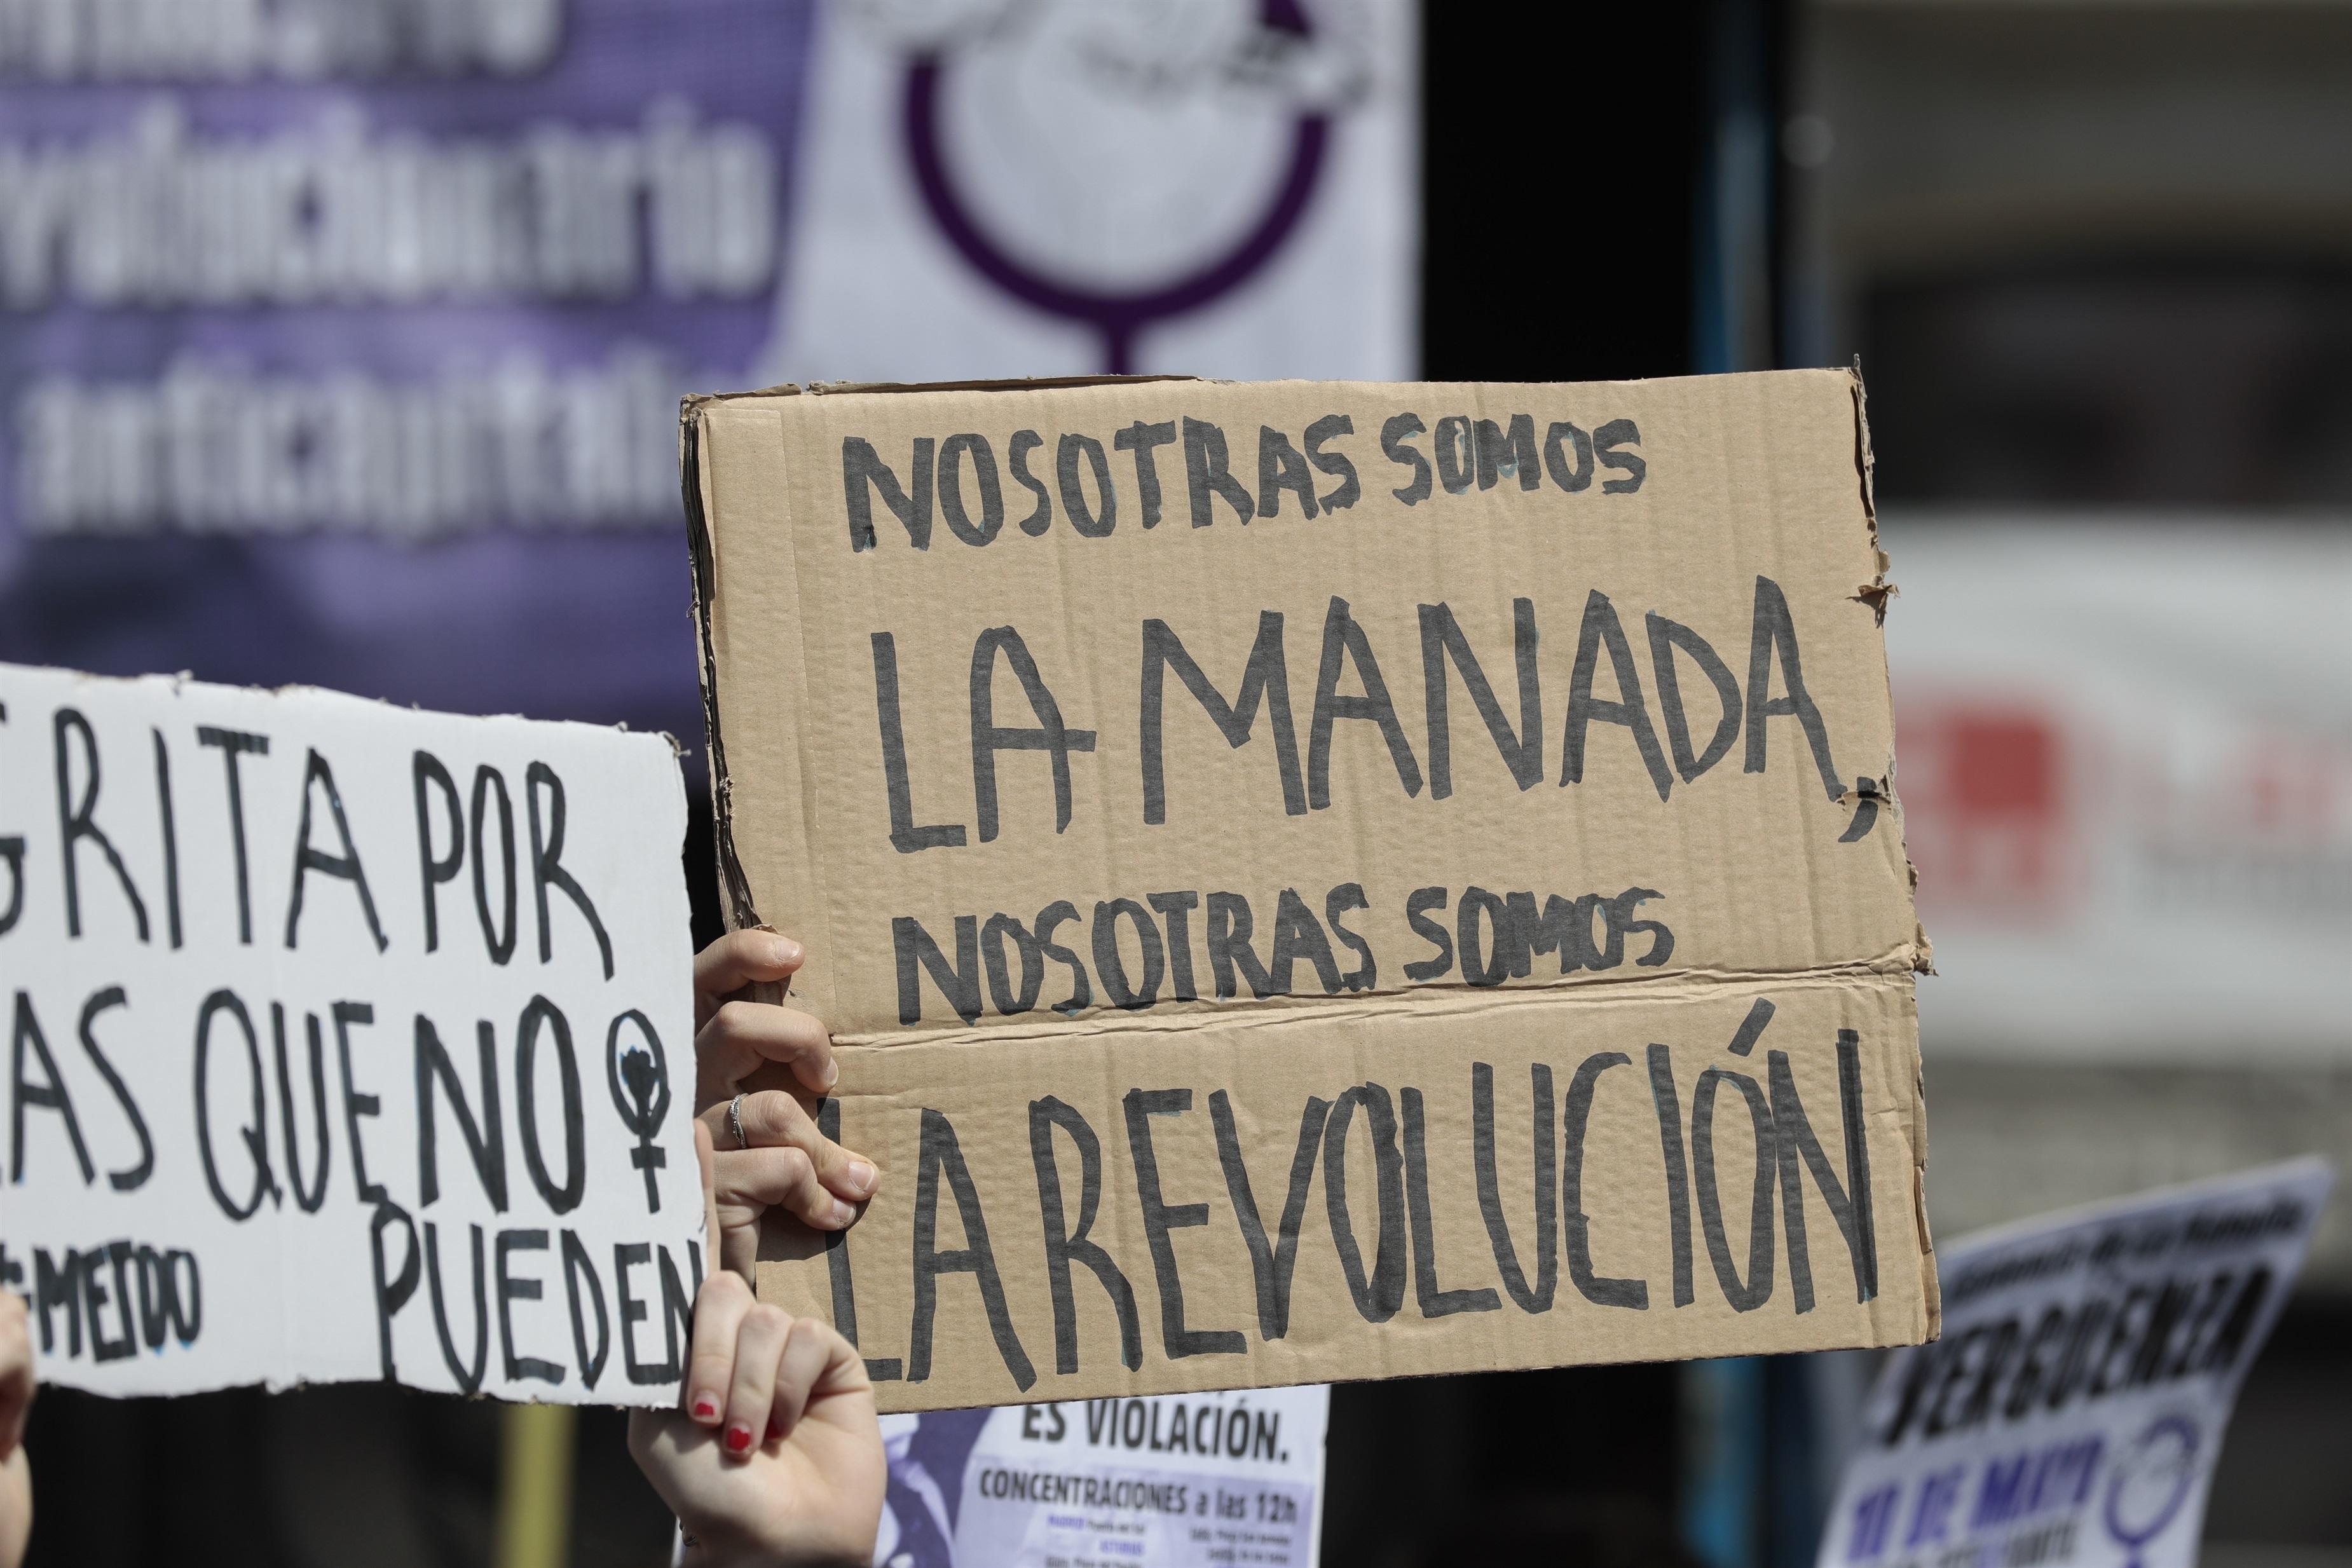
{"points": [[345, 1041], [1177, 1481], [2072, 1411], [1067, 187]]}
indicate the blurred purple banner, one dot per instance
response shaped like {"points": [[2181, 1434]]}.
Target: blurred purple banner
{"points": [[341, 340]]}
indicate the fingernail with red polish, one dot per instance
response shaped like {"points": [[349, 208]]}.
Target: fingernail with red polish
{"points": [[738, 1439], [775, 1429], [706, 1407]]}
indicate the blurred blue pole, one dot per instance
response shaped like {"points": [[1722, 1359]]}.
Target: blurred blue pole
{"points": [[1732, 309], [1722, 1496], [1722, 1492]]}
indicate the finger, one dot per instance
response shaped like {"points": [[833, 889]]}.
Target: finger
{"points": [[742, 1037], [15, 1372], [706, 1161], [841, 1395], [807, 1354], [718, 1314], [759, 1349], [771, 1120], [740, 957]]}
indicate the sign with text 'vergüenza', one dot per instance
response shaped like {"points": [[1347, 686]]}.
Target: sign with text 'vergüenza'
{"points": [[2073, 1410], [345, 1043], [1316, 881]]}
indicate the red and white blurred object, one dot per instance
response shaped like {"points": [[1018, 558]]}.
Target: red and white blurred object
{"points": [[2125, 765]]}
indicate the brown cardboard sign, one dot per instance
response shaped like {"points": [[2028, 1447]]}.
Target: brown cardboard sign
{"points": [[1314, 880]]}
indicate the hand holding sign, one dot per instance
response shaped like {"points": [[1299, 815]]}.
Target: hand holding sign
{"points": [[735, 1035], [770, 1153], [781, 1459], [16, 1403]]}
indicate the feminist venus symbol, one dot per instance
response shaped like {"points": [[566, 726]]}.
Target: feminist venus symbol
{"points": [[639, 1080], [1119, 317]]}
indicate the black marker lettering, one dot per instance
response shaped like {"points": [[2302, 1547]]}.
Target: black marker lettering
{"points": [[1601, 628], [1774, 632], [1050, 735], [1280, 467], [1094, 522], [345, 866], [51, 1094], [1142, 439], [905, 836], [424, 770], [1599, 1290], [1265, 678], [1432, 1300], [1343, 637], [499, 936], [255, 1131], [1065, 1246], [484, 1138], [939, 1155], [1441, 639], [1378, 1294], [233, 744], [1208, 475], [1160, 1218], [135, 1176], [1270, 1265], [1536, 1298], [468, 1374], [76, 820], [520, 1368], [309, 1196], [953, 455], [1400, 429], [1350, 490], [1745, 1296], [862, 466], [1508, 454], [547, 864]]}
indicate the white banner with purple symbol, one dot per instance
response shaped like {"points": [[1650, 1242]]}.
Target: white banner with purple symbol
{"points": [[1069, 187], [2072, 1413], [1180, 1481]]}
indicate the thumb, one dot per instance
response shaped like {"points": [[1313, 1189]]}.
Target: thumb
{"points": [[706, 1159]]}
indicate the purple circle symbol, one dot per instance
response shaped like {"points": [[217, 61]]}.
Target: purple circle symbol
{"points": [[1118, 317]]}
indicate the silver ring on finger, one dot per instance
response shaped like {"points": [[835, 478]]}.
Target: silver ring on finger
{"points": [[735, 1122]]}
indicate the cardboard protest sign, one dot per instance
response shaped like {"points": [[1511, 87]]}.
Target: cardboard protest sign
{"points": [[1472, 802], [345, 1041], [1180, 1481], [2073, 1410]]}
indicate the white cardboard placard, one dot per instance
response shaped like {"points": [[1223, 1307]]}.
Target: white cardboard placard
{"points": [[243, 935]]}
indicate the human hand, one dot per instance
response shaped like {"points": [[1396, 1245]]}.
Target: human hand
{"points": [[16, 1385], [779, 1157], [779, 1457]]}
